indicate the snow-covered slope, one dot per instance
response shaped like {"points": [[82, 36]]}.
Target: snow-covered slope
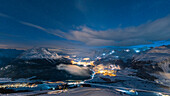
{"points": [[41, 64], [88, 91], [39, 53], [157, 54], [156, 62]]}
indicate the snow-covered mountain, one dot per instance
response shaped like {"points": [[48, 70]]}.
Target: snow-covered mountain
{"points": [[156, 54], [121, 57], [39, 63], [39, 53], [156, 57], [155, 62]]}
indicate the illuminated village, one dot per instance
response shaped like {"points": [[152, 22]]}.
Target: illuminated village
{"points": [[101, 72], [109, 70], [17, 85], [84, 62]]}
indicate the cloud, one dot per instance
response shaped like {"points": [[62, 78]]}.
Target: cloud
{"points": [[31, 25], [4, 15], [143, 34], [75, 70], [147, 33], [40, 28]]}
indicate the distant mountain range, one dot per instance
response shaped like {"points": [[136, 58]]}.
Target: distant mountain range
{"points": [[8, 55], [154, 60], [152, 64]]}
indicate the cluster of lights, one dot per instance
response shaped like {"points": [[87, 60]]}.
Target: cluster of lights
{"points": [[110, 71], [75, 83], [112, 52], [85, 63], [107, 72], [17, 85], [55, 82], [109, 53]]}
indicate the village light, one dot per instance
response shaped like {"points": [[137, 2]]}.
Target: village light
{"points": [[127, 50], [137, 51]]}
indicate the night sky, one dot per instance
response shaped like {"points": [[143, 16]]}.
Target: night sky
{"points": [[84, 23]]}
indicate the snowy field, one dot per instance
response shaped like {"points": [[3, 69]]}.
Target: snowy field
{"points": [[84, 91]]}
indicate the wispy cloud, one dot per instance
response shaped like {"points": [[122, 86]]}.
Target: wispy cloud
{"points": [[56, 33], [33, 25], [147, 33], [144, 34], [4, 15]]}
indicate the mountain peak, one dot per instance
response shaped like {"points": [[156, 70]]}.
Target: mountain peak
{"points": [[39, 53]]}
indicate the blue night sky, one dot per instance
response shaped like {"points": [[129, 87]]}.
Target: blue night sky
{"points": [[84, 23]]}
